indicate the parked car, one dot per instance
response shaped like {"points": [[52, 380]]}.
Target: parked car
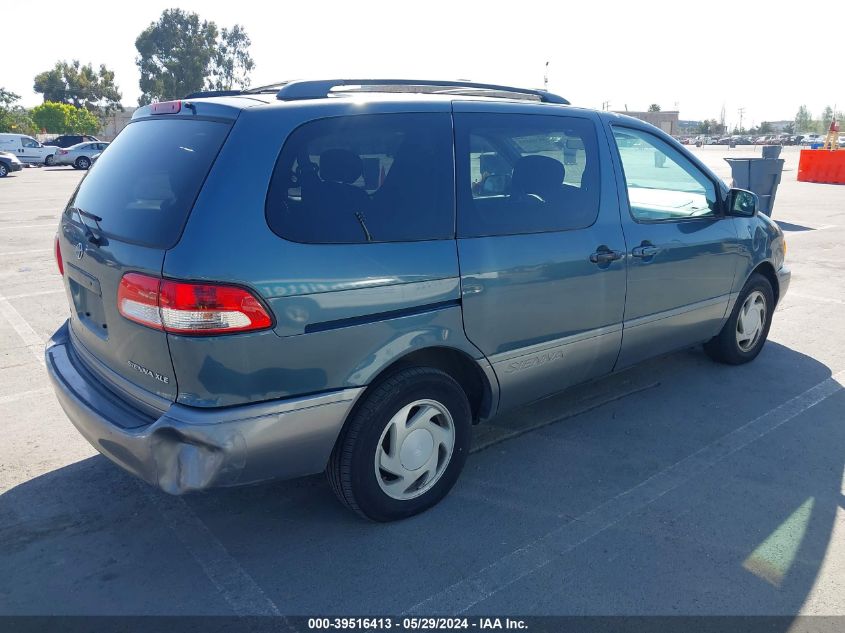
{"points": [[282, 283], [80, 156], [26, 148], [809, 139], [68, 140], [9, 163]]}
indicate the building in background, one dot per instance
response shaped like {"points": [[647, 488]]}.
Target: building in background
{"points": [[666, 120]]}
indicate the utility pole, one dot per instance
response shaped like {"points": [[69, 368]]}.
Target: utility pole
{"points": [[605, 106], [741, 112], [546, 78]]}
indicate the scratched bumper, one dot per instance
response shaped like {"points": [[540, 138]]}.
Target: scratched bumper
{"points": [[189, 448]]}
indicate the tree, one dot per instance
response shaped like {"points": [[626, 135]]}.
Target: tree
{"points": [[804, 120], [232, 62], [63, 118], [14, 118], [80, 86], [654, 107], [181, 54], [827, 118], [789, 128], [765, 128]]}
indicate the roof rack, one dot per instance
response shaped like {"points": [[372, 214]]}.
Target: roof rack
{"points": [[320, 89]]}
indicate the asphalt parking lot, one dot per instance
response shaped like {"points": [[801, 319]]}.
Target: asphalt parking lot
{"points": [[676, 487]]}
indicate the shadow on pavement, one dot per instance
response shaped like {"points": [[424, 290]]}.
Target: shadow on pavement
{"points": [[746, 536]]}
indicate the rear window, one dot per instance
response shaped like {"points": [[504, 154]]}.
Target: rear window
{"points": [[144, 186], [365, 178]]}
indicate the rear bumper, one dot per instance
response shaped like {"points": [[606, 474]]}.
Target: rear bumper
{"points": [[191, 448]]}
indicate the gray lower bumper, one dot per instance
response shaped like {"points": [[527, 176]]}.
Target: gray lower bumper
{"points": [[784, 277], [193, 449]]}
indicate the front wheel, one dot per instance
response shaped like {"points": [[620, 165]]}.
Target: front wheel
{"points": [[404, 447], [49, 160], [4, 171], [747, 328]]}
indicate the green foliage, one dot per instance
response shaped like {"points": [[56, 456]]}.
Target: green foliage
{"points": [[654, 107], [827, 118], [181, 54], [63, 118], [80, 86], [232, 62], [14, 118], [804, 121]]}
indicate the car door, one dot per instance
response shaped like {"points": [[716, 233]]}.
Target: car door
{"points": [[683, 252], [540, 246], [31, 150]]}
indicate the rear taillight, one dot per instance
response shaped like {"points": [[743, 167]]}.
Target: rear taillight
{"points": [[189, 308], [61, 152], [59, 261]]}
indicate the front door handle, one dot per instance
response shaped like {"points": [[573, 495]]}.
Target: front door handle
{"points": [[604, 255], [644, 251]]}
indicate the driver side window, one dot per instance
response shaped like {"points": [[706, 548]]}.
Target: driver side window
{"points": [[662, 185], [29, 142]]}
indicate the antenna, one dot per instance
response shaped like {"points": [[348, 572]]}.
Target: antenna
{"points": [[546, 78]]}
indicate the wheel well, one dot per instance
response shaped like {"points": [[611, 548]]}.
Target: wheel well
{"points": [[458, 365], [768, 271]]}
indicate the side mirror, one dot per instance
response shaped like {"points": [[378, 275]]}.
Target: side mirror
{"points": [[742, 203]]}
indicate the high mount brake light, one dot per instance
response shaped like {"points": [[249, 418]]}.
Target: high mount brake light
{"points": [[189, 308], [166, 107]]}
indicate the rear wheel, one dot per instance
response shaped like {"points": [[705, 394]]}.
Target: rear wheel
{"points": [[747, 328], [4, 171], [83, 162], [404, 447]]}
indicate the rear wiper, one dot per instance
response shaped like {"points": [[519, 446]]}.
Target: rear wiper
{"points": [[367, 234], [92, 237]]}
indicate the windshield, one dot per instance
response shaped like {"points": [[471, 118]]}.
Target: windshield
{"points": [[144, 186]]}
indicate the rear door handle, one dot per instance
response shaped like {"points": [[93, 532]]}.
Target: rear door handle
{"points": [[604, 255], [645, 251]]}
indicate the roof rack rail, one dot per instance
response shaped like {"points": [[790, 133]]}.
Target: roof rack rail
{"points": [[320, 89], [213, 93]]}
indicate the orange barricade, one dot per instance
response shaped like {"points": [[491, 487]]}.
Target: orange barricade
{"points": [[819, 165]]}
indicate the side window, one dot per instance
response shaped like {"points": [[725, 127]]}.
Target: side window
{"points": [[365, 178], [525, 173], [29, 142], [662, 184]]}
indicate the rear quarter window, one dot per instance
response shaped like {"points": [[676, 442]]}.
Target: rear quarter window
{"points": [[365, 178], [144, 187]]}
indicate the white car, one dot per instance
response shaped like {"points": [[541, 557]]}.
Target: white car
{"points": [[809, 139], [26, 148]]}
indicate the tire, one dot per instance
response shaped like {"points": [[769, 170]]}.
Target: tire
{"points": [[49, 160], [740, 341], [426, 468], [4, 171], [83, 162]]}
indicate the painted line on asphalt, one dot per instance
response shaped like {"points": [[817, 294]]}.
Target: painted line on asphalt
{"points": [[39, 293], [240, 591], [466, 593], [29, 336], [28, 226], [29, 252], [25, 394], [238, 588]]}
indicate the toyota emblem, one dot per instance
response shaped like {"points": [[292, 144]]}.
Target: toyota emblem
{"points": [[80, 250]]}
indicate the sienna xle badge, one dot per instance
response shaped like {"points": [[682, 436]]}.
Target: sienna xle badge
{"points": [[345, 276]]}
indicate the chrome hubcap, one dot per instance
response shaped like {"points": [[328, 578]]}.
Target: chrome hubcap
{"points": [[751, 321], [414, 449]]}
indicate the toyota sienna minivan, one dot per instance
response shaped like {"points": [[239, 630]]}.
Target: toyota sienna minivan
{"points": [[345, 276]]}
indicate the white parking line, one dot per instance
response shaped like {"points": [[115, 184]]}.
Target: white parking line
{"points": [[238, 588], [29, 336], [464, 594], [29, 252], [240, 591]]}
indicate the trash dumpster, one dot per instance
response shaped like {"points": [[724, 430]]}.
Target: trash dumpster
{"points": [[760, 175]]}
